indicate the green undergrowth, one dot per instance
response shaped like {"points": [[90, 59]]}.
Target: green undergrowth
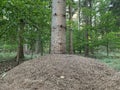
{"points": [[112, 60], [114, 63], [7, 56], [4, 56]]}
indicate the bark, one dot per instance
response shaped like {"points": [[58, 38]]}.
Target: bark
{"points": [[37, 47], [58, 35], [79, 21], [79, 9], [39, 44], [107, 47], [91, 23], [70, 31], [26, 50], [88, 21], [86, 45], [20, 52], [86, 17]]}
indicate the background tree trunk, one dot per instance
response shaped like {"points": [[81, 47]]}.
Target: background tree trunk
{"points": [[88, 22], [58, 35], [39, 44], [20, 52], [70, 44], [86, 45]]}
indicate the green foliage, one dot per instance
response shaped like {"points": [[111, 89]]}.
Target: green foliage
{"points": [[114, 63], [7, 56], [35, 15], [113, 60], [9, 48]]}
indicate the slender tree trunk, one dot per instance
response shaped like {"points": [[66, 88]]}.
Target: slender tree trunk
{"points": [[37, 48], [79, 9], [20, 52], [79, 21], [58, 35], [86, 45], [107, 47], [86, 19], [26, 50], [88, 22], [70, 31], [39, 44]]}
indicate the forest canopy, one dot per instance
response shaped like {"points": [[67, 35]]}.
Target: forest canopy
{"points": [[92, 25]]}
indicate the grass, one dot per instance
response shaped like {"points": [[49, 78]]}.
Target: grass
{"points": [[5, 56], [113, 60], [114, 63]]}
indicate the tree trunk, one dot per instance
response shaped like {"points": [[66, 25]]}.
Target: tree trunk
{"points": [[79, 16], [39, 44], [88, 22], [70, 31], [37, 47], [107, 47], [20, 52], [26, 50], [86, 45], [58, 35]]}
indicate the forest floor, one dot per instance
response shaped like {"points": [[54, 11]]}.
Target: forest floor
{"points": [[7, 65], [61, 72], [7, 61]]}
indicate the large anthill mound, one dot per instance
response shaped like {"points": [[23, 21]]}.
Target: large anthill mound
{"points": [[61, 72]]}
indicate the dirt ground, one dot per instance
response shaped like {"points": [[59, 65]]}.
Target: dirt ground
{"points": [[7, 65], [61, 72]]}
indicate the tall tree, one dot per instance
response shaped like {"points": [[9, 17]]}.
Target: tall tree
{"points": [[70, 44], [87, 21], [20, 52], [115, 8], [58, 37]]}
